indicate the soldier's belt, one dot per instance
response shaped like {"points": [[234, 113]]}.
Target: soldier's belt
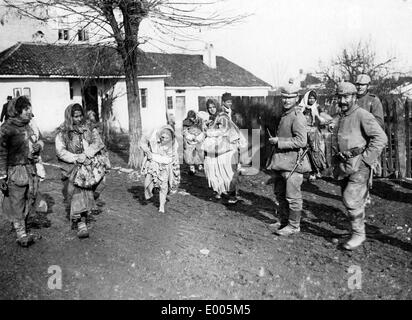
{"points": [[354, 152], [287, 150]]}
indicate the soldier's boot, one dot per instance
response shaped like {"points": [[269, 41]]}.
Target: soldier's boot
{"points": [[293, 226], [23, 239], [358, 234], [82, 231], [281, 216]]}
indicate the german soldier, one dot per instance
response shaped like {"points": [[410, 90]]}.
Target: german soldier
{"points": [[371, 103], [360, 140], [287, 161], [367, 100]]}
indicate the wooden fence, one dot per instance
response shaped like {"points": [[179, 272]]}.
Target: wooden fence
{"points": [[263, 113]]}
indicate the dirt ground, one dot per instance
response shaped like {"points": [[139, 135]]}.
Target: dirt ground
{"points": [[204, 249]]}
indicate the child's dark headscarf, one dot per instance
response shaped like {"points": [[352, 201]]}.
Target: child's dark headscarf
{"points": [[15, 108], [190, 119]]}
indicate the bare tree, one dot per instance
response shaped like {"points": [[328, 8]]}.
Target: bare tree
{"points": [[120, 20], [360, 58]]}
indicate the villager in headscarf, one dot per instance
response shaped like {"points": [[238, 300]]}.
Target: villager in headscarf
{"points": [[222, 153], [193, 137], [78, 148], [315, 121], [213, 110], [161, 164], [18, 179]]}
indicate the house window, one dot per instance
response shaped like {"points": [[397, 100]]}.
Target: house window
{"points": [[27, 92], [143, 98], [169, 103], [63, 34], [83, 35], [17, 92], [181, 102]]}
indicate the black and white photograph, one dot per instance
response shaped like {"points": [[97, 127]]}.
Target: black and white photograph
{"points": [[215, 152]]}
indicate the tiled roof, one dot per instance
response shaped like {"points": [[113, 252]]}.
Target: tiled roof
{"points": [[185, 70], [189, 70], [69, 60]]}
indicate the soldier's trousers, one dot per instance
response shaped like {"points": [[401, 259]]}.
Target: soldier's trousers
{"points": [[288, 192], [355, 191]]}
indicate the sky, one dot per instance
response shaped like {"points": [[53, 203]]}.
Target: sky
{"points": [[283, 36]]}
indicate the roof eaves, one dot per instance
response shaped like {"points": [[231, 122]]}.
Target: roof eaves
{"points": [[11, 50]]}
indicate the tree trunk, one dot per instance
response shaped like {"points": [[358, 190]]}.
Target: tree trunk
{"points": [[107, 103], [135, 120], [127, 45]]}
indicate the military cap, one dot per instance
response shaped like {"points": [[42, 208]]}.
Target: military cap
{"points": [[363, 79], [226, 96], [346, 88], [289, 91]]}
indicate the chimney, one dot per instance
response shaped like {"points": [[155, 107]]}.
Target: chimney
{"points": [[38, 36], [209, 56]]}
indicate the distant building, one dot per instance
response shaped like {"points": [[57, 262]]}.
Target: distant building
{"points": [[313, 82], [55, 75], [195, 78]]}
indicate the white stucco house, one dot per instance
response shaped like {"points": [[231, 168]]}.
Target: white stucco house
{"points": [[55, 75], [196, 77]]}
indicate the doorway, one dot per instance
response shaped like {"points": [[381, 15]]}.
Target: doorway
{"points": [[91, 100], [180, 110]]}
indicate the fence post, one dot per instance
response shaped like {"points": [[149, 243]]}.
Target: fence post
{"points": [[384, 155], [389, 133], [408, 138], [399, 138]]}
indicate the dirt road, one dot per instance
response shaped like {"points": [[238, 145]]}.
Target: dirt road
{"points": [[204, 249]]}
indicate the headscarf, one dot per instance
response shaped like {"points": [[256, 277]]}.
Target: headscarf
{"points": [[14, 116], [154, 140], [313, 108], [212, 101], [191, 119], [68, 126]]}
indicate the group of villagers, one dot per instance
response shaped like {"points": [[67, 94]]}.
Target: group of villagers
{"points": [[211, 143], [82, 157]]}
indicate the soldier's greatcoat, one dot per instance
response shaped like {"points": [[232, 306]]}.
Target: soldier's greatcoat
{"points": [[359, 129], [292, 134], [371, 103]]}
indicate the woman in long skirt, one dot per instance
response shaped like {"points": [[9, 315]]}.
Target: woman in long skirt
{"points": [[222, 153], [78, 147], [161, 164]]}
